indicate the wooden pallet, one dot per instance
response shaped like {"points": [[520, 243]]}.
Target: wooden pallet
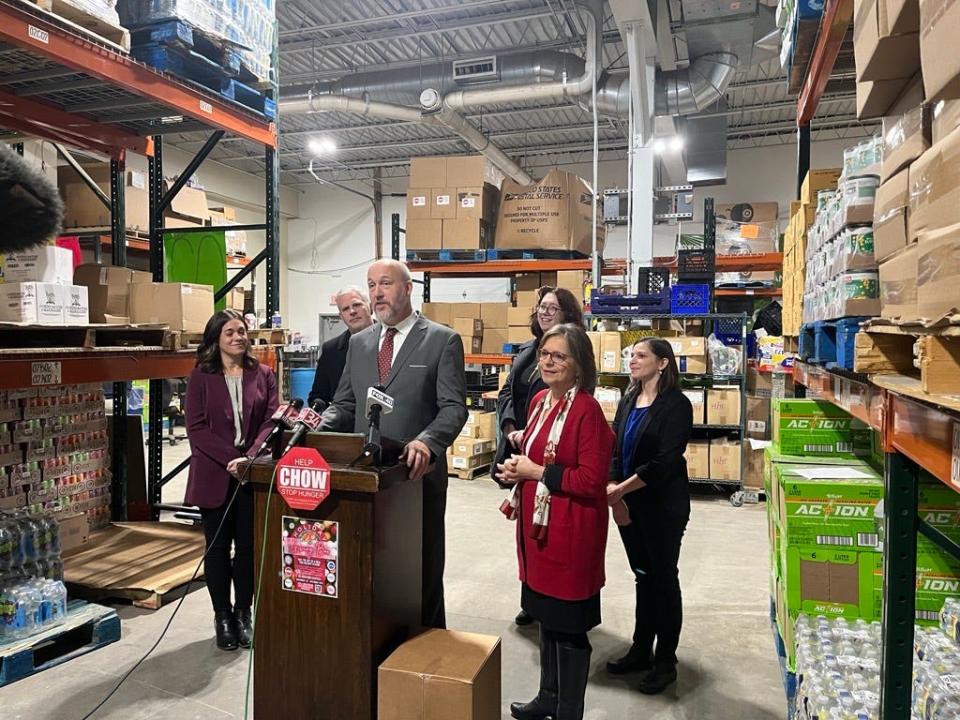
{"points": [[86, 628], [472, 473], [181, 340], [19, 337], [930, 354], [533, 254], [80, 18]]}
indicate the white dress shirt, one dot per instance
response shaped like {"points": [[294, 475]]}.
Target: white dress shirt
{"points": [[403, 330]]}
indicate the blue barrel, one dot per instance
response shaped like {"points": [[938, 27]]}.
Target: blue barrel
{"points": [[301, 381]]}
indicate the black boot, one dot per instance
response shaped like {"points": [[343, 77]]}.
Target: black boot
{"points": [[573, 669], [523, 618], [635, 660], [544, 705], [243, 626], [658, 680], [223, 624]]}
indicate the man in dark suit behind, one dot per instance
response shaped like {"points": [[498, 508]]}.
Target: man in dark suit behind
{"points": [[354, 310], [420, 364]]}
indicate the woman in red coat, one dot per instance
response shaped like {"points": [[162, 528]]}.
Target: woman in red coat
{"points": [[230, 398], [559, 502]]}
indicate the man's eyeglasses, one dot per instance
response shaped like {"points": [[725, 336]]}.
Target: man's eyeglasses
{"points": [[558, 357], [548, 310]]}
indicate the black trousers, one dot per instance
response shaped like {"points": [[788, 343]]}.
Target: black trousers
{"points": [[653, 543], [237, 532], [433, 611]]}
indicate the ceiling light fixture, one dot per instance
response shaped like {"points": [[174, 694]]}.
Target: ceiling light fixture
{"points": [[322, 146]]}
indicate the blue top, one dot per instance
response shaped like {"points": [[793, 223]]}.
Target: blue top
{"points": [[634, 421]]}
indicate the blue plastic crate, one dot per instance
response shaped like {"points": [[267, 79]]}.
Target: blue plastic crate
{"points": [[629, 304], [847, 329], [805, 342], [727, 331], [686, 299], [824, 342]]}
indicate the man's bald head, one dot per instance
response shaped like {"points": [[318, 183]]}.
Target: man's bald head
{"points": [[390, 287]]}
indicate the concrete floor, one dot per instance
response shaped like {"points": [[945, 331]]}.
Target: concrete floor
{"points": [[728, 667]]}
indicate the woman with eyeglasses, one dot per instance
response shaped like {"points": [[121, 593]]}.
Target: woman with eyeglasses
{"points": [[650, 496], [558, 497], [554, 307]]}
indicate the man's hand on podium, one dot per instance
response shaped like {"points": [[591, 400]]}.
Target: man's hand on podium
{"points": [[416, 456]]}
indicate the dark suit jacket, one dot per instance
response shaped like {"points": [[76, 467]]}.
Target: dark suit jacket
{"points": [[211, 432], [333, 356], [513, 401], [657, 454]]}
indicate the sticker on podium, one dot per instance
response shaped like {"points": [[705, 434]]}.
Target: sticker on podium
{"points": [[303, 478], [310, 556]]}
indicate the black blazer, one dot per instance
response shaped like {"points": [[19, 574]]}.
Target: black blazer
{"points": [[333, 356], [513, 402], [657, 454]]}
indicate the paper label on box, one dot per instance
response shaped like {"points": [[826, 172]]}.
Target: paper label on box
{"points": [[310, 552], [467, 202], [46, 372], [756, 426], [186, 290], [443, 200], [138, 180], [418, 201]]}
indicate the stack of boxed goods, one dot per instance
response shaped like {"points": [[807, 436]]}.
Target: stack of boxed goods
{"points": [[53, 451], [36, 288], [470, 330], [723, 409], [887, 53], [794, 265], [451, 203], [474, 447], [108, 290], [496, 321], [83, 209], [769, 377]]}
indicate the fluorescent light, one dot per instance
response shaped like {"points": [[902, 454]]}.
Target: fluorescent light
{"points": [[676, 143], [659, 146], [322, 146]]}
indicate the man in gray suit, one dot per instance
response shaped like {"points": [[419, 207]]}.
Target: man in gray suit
{"points": [[418, 363]]}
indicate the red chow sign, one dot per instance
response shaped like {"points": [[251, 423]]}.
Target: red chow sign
{"points": [[303, 478]]}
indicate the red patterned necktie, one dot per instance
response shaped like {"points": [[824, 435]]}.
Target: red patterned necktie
{"points": [[385, 358]]}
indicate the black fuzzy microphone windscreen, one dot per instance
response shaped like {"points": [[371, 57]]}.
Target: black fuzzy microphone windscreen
{"points": [[31, 211]]}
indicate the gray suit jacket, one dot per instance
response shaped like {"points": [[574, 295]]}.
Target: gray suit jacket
{"points": [[426, 381]]}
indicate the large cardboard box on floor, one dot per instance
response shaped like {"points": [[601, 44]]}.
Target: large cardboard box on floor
{"points": [[881, 53], [182, 306], [723, 406], [753, 463], [481, 424], [555, 213], [939, 29], [469, 462], [470, 447], [898, 285], [441, 674], [938, 267], [725, 460], [935, 187], [698, 459]]}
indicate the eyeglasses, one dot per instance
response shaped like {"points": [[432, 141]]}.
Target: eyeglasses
{"points": [[558, 357], [548, 310]]}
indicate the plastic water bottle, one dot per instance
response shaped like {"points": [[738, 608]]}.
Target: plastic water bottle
{"points": [[9, 546]]}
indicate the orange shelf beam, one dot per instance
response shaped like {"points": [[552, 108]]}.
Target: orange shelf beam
{"points": [[96, 366], [837, 16], [924, 434], [498, 267], [488, 359]]}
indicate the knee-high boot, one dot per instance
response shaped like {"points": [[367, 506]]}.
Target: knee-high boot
{"points": [[544, 705], [573, 669]]}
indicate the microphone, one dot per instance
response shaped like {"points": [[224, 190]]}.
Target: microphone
{"points": [[282, 419], [308, 421], [31, 211], [378, 403]]}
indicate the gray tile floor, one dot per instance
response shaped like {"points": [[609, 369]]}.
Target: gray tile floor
{"points": [[728, 670]]}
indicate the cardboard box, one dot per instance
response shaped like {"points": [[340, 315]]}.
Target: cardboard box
{"points": [[460, 462], [471, 171], [469, 447], [724, 460], [555, 213], [32, 302], [443, 203], [939, 29], [419, 204], [753, 465], [938, 577], [182, 306], [938, 267], [76, 305], [817, 180], [519, 316], [696, 398], [890, 216], [876, 99], [816, 427], [493, 340], [108, 289], [527, 281], [45, 263], [465, 310], [769, 384], [935, 187], [466, 234], [698, 459], [74, 531], [484, 422], [898, 285], [528, 299], [611, 359], [880, 53], [594, 338], [723, 406], [692, 365], [495, 315], [686, 345], [945, 119], [83, 209], [470, 327], [471, 345], [906, 137], [441, 674], [518, 335], [831, 582], [758, 418], [189, 206], [478, 202], [572, 280], [608, 399], [438, 312], [428, 172], [424, 234]]}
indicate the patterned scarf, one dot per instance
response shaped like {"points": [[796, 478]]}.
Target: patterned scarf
{"points": [[541, 508]]}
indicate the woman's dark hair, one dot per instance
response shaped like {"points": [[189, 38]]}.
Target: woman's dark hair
{"points": [[670, 375], [581, 351], [570, 308], [208, 354]]}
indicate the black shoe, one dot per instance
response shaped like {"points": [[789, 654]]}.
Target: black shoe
{"points": [[573, 671], [636, 660], [243, 627], [544, 705], [658, 680], [223, 624], [523, 618]]}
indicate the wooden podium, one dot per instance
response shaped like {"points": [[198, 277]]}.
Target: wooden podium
{"points": [[316, 655]]}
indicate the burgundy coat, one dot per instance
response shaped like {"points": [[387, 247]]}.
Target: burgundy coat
{"points": [[211, 432], [569, 564]]}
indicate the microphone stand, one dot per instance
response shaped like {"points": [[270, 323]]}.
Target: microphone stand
{"points": [[372, 447]]}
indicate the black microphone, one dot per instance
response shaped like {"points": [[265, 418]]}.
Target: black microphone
{"points": [[308, 420], [378, 403], [283, 419], [31, 211]]}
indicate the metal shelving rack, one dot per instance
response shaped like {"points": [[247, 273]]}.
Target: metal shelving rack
{"points": [[71, 88], [919, 432]]}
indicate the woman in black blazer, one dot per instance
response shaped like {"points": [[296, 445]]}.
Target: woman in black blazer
{"points": [[554, 307], [650, 497]]}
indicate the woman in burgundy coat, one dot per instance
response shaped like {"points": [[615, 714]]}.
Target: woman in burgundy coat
{"points": [[230, 398], [559, 501]]}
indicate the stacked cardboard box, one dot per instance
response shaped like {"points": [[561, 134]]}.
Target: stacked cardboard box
{"points": [[54, 451], [886, 46], [496, 322], [36, 288], [182, 306], [762, 387], [108, 290], [83, 209], [470, 331], [476, 444], [452, 203], [794, 265], [691, 352], [609, 399]]}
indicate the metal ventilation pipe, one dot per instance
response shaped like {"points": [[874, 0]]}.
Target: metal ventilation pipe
{"points": [[695, 88], [359, 106]]}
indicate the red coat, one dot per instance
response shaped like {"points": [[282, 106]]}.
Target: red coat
{"points": [[569, 564], [210, 429]]}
